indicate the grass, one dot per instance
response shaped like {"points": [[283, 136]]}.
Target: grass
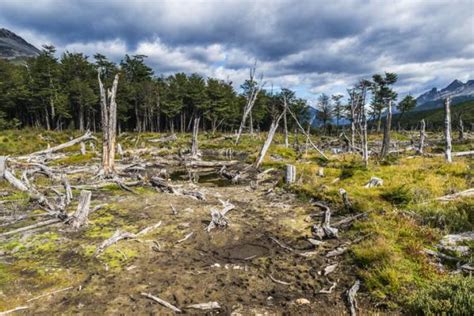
{"points": [[403, 215]]}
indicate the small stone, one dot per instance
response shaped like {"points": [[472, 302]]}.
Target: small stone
{"points": [[302, 301]]}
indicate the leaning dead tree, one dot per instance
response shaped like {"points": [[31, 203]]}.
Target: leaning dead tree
{"points": [[268, 141], [386, 131], [255, 88], [447, 129], [109, 125]]}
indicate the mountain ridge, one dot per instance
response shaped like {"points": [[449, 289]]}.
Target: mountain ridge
{"points": [[434, 98], [13, 46]]}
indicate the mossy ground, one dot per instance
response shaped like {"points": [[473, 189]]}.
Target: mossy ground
{"points": [[403, 218]]}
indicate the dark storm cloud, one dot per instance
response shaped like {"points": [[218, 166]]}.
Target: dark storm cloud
{"points": [[296, 42]]}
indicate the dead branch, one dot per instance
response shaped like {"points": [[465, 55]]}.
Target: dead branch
{"points": [[218, 218], [450, 197], [164, 139], [162, 302], [268, 141], [330, 269], [278, 281], [336, 252], [87, 136], [205, 306], [50, 293], [281, 244], [11, 311], [185, 237], [117, 236], [328, 291], [351, 297]]}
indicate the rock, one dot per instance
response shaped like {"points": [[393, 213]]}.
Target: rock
{"points": [[302, 301]]}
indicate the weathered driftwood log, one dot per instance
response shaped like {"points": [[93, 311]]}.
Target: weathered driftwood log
{"points": [[374, 182], [162, 302], [205, 306], [351, 297], [109, 125], [80, 217], [268, 141], [87, 136], [325, 230], [450, 197], [218, 218], [447, 129], [290, 176]]}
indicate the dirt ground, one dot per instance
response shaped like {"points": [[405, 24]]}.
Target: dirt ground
{"points": [[242, 267]]}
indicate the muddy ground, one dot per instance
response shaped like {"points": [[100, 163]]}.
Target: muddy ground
{"points": [[241, 266]]}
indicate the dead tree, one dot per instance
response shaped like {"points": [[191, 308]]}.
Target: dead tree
{"points": [[268, 141], [194, 146], [290, 174], [386, 131], [422, 136], [251, 98], [447, 129], [461, 128], [79, 218], [285, 122], [109, 125]]}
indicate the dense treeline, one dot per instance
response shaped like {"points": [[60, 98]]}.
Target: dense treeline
{"points": [[63, 93]]}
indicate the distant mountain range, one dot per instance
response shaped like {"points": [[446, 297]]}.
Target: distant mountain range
{"points": [[457, 90], [13, 46]]}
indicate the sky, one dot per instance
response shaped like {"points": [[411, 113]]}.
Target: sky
{"points": [[310, 46]]}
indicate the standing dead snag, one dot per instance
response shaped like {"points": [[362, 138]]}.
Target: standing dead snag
{"points": [[290, 174], [386, 131], [447, 129], [325, 230], [461, 128], [255, 89], [268, 141], [422, 137], [195, 146], [109, 125], [79, 218]]}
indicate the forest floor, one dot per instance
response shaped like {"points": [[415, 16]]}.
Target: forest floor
{"points": [[263, 262]]}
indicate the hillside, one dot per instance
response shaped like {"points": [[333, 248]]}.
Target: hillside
{"points": [[435, 117], [457, 90], [13, 46]]}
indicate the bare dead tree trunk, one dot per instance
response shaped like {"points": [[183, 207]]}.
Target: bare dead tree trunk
{"points": [[268, 141], [422, 136], [285, 123], [447, 129], [109, 125], [252, 97], [386, 132], [195, 146], [290, 176], [79, 218], [365, 141], [461, 129]]}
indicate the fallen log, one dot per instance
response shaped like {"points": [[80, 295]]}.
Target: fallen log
{"points": [[164, 139], [205, 306], [87, 136], [162, 302], [450, 197]]}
